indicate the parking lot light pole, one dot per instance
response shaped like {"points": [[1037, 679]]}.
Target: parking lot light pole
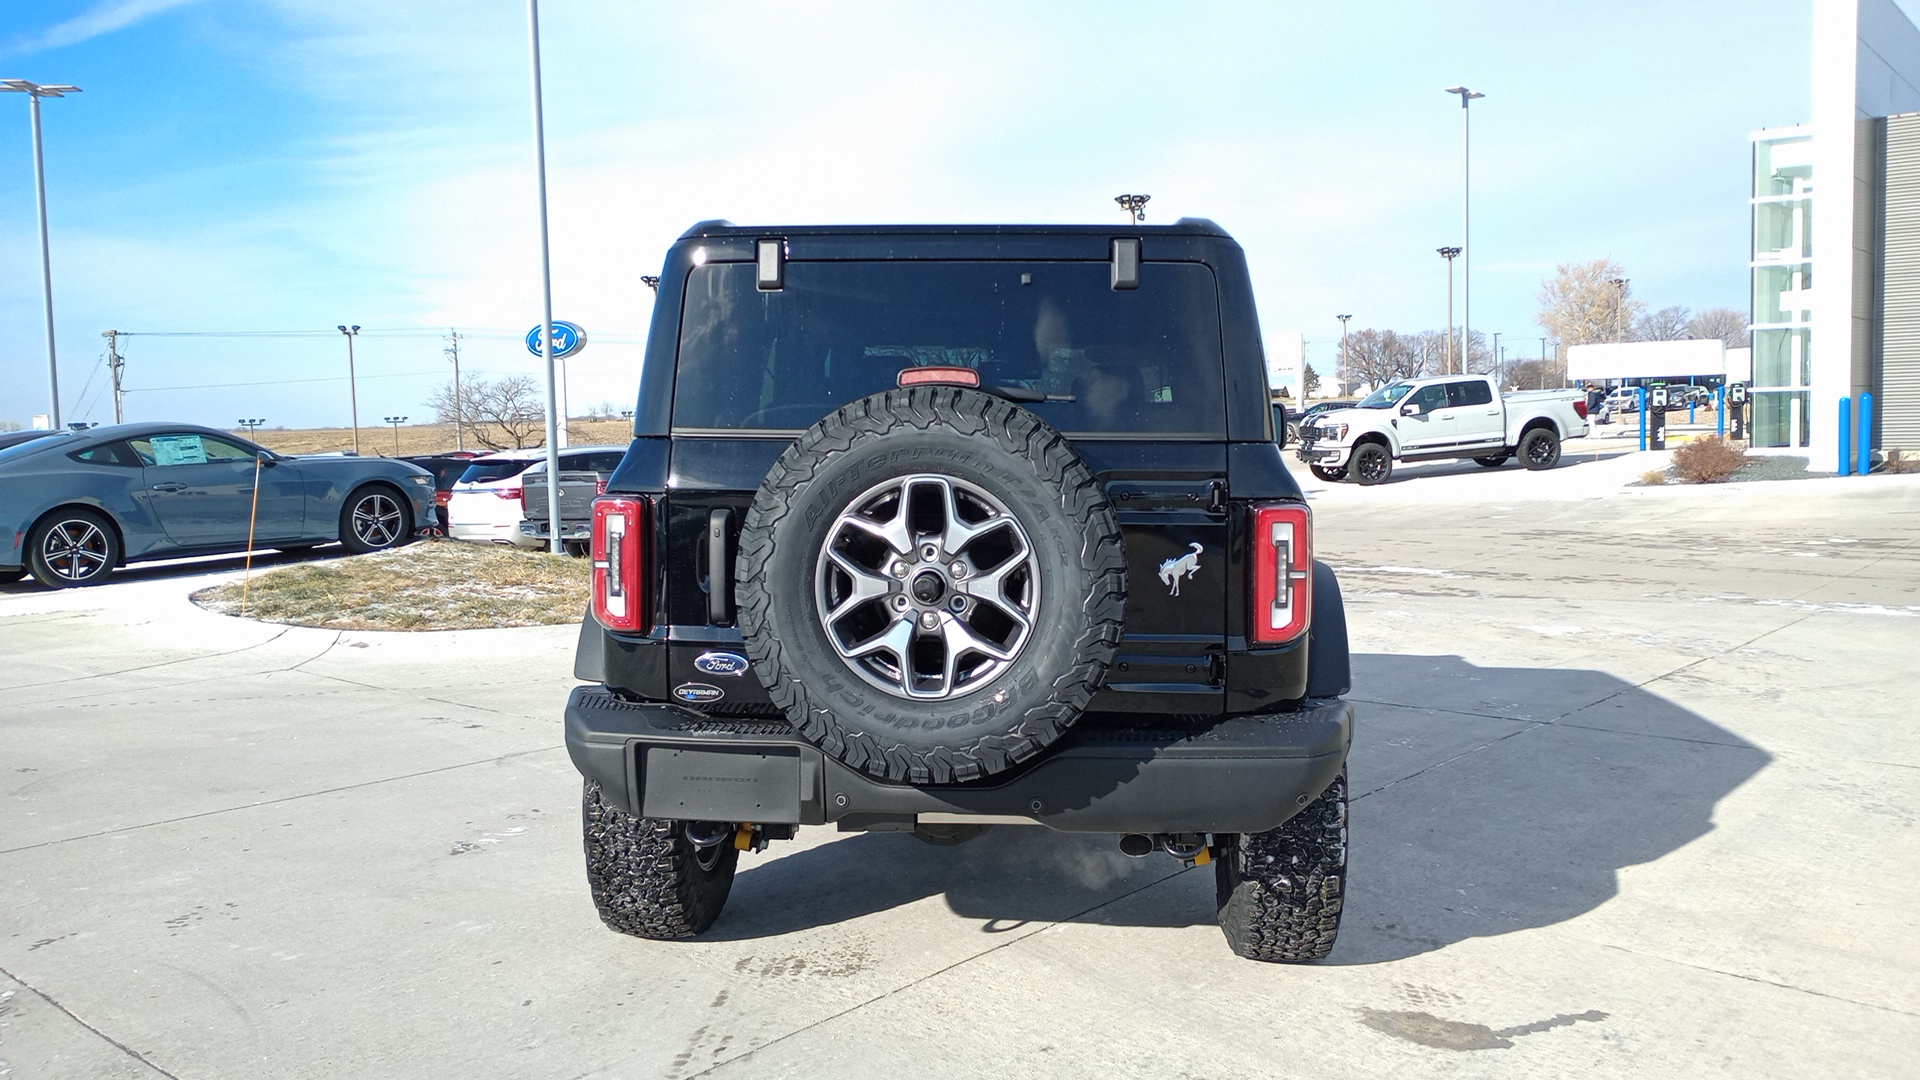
{"points": [[1448, 253], [1134, 205], [1466, 221], [353, 390], [554, 422], [1619, 308], [1344, 319], [396, 421], [252, 426], [35, 92]]}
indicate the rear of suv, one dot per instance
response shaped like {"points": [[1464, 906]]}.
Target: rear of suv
{"points": [[936, 529]]}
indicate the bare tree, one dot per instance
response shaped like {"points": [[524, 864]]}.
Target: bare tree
{"points": [[1727, 324], [1667, 324], [500, 414], [1377, 357], [1582, 303]]}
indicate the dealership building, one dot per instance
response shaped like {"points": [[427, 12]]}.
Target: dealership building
{"points": [[1841, 195]]}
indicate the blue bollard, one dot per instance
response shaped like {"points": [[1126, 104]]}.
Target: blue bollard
{"points": [[1641, 393], [1866, 433], [1689, 410], [1846, 440], [1720, 411]]}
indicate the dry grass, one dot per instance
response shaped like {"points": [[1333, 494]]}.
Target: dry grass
{"points": [[378, 439], [1898, 461], [1708, 460], [1654, 477], [427, 586]]}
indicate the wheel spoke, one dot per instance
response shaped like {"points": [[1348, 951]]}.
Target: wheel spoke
{"points": [[894, 534], [867, 585], [896, 639], [960, 638]]}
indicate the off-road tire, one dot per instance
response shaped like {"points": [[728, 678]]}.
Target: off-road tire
{"points": [[71, 547], [647, 878], [1492, 461], [1074, 538], [1281, 891], [1540, 448], [1372, 463], [1332, 474]]}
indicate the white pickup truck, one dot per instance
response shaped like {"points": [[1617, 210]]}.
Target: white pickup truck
{"points": [[1447, 416]]}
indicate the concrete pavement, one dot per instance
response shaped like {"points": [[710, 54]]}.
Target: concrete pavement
{"points": [[1635, 795]]}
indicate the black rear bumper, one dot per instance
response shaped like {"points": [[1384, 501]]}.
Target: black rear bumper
{"points": [[1244, 774]]}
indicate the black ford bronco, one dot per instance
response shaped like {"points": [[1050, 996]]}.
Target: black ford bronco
{"points": [[930, 529]]}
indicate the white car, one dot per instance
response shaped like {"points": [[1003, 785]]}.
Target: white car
{"points": [[488, 501]]}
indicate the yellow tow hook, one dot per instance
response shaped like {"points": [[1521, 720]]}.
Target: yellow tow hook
{"points": [[747, 838], [1203, 856]]}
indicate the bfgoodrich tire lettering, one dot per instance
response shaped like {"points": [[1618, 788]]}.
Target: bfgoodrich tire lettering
{"points": [[980, 726], [1281, 891], [647, 878]]}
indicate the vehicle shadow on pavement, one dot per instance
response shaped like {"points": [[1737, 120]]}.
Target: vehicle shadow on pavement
{"points": [[266, 559], [1490, 800], [1572, 456], [1487, 800]]}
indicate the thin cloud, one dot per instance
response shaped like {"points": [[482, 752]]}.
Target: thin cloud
{"points": [[102, 18]]}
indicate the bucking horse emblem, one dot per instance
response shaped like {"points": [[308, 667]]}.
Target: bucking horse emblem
{"points": [[1172, 570]]}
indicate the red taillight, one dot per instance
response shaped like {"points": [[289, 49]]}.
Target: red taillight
{"points": [[620, 535], [1280, 548], [511, 493], [599, 487], [1580, 408], [442, 499]]}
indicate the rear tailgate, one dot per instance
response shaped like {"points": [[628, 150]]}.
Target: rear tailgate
{"points": [[577, 492]]}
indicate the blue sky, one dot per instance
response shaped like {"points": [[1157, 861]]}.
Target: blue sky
{"points": [[271, 165]]}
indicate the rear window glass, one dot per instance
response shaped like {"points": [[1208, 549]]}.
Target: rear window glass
{"points": [[1140, 361], [1469, 392], [482, 472], [30, 446]]}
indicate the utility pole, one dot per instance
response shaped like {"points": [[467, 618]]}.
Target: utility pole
{"points": [[459, 392], [114, 364]]}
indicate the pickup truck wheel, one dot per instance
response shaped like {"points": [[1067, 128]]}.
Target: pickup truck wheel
{"points": [[1372, 464], [1281, 891], [1332, 474], [931, 585], [1540, 448], [1492, 462], [647, 878]]}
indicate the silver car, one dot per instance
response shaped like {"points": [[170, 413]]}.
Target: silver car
{"points": [[76, 505]]}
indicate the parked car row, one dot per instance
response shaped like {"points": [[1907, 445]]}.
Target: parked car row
{"points": [[489, 503], [77, 505]]}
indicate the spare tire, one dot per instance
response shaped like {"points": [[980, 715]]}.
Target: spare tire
{"points": [[931, 585]]}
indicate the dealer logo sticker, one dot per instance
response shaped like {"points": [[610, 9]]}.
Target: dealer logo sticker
{"points": [[698, 693], [721, 663]]}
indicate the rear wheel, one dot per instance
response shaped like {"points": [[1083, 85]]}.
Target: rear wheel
{"points": [[1540, 448], [1372, 464], [1332, 474], [72, 547], [1492, 461], [647, 878], [1280, 892]]}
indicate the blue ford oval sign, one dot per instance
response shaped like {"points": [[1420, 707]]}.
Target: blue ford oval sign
{"points": [[567, 340], [720, 663]]}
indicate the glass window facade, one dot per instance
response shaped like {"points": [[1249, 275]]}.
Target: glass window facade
{"points": [[1782, 262]]}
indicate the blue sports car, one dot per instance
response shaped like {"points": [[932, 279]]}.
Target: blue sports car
{"points": [[76, 504]]}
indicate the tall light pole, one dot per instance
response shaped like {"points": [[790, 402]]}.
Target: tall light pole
{"points": [[546, 286], [1344, 355], [1543, 363], [1449, 254], [396, 421], [35, 92], [353, 388], [1619, 308], [1466, 222], [459, 392], [1134, 205]]}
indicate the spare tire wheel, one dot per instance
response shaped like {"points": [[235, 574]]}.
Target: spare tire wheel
{"points": [[931, 585]]}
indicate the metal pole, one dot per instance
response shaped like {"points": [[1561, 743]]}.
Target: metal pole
{"points": [[353, 387], [459, 394], [46, 256], [113, 370], [546, 287], [1466, 233], [1449, 370]]}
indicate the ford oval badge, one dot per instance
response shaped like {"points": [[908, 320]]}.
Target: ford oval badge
{"points": [[721, 663], [568, 339], [698, 693]]}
